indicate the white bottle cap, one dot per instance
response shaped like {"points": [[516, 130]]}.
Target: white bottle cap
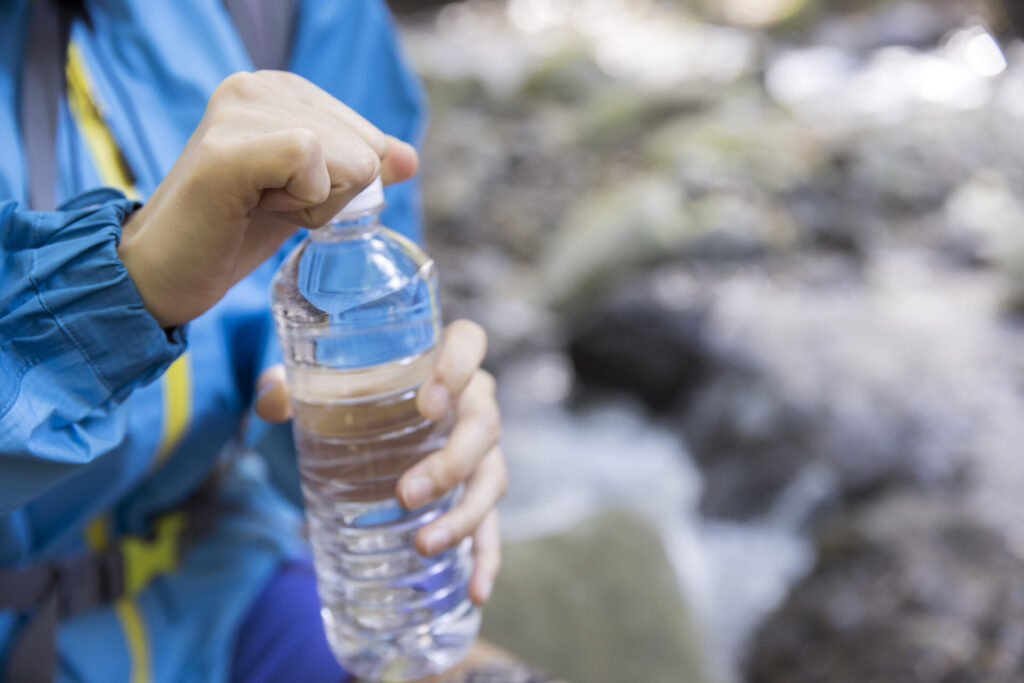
{"points": [[369, 201]]}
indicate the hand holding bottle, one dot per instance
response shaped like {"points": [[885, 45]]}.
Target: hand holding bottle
{"points": [[472, 454], [271, 153]]}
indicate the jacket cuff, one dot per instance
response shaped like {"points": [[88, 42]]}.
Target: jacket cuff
{"points": [[82, 283]]}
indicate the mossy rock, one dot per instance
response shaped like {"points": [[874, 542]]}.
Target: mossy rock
{"points": [[597, 604]]}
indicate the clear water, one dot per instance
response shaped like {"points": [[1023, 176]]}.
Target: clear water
{"points": [[357, 315]]}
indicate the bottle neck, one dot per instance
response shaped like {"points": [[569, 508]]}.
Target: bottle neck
{"points": [[347, 228]]}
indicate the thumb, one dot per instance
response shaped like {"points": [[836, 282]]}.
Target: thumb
{"points": [[399, 163], [272, 397]]}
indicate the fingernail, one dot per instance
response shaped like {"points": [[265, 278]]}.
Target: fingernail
{"points": [[437, 539], [436, 399], [418, 491], [266, 388]]}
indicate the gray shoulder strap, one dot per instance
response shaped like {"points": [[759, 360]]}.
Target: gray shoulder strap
{"points": [[266, 28], [42, 82]]}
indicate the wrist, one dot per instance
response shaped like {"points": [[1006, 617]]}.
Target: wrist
{"points": [[131, 253]]}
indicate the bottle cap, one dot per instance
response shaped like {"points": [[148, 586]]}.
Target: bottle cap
{"points": [[370, 200]]}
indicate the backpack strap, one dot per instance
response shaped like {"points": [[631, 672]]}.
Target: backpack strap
{"points": [[42, 84], [267, 28], [47, 593]]}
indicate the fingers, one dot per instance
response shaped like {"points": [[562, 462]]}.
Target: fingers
{"points": [[487, 558], [297, 157], [477, 430], [322, 170], [307, 153], [280, 212], [272, 402], [291, 161], [483, 491], [351, 166], [462, 351], [282, 93], [399, 163], [320, 101]]}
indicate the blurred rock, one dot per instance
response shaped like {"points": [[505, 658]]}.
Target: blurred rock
{"points": [[751, 441], [615, 231], [860, 25], [741, 226], [623, 116], [884, 376], [783, 256], [915, 166], [912, 588], [570, 76], [649, 220], [636, 345], [740, 147], [599, 604], [886, 381], [757, 13], [474, 151], [986, 222], [1015, 15], [447, 94]]}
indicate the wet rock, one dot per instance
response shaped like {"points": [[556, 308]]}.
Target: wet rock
{"points": [[985, 218], [912, 588], [624, 116], [569, 76], [649, 220], [599, 603], [633, 344], [886, 380], [473, 150], [741, 147], [447, 94], [1015, 15], [751, 441], [758, 14], [915, 166], [612, 232], [884, 376], [740, 226], [762, 178]]}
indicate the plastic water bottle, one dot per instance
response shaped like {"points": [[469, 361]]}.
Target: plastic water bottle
{"points": [[357, 314]]}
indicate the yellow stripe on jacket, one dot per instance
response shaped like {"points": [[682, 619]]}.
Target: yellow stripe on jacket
{"points": [[176, 382]]}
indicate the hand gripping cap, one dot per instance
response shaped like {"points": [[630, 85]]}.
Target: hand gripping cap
{"points": [[367, 202]]}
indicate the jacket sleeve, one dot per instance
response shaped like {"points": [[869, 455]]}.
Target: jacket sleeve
{"points": [[75, 340]]}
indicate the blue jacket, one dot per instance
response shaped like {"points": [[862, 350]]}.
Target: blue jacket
{"points": [[106, 419]]}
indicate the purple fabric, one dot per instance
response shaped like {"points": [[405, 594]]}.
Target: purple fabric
{"points": [[282, 639]]}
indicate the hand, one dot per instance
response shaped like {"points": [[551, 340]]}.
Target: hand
{"points": [[272, 152], [472, 454]]}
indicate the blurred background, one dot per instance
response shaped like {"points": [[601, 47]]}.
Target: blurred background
{"points": [[753, 273]]}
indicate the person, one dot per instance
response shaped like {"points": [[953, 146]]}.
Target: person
{"points": [[151, 181]]}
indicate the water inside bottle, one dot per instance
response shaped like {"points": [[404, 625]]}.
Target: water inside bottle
{"points": [[357, 316], [389, 612]]}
